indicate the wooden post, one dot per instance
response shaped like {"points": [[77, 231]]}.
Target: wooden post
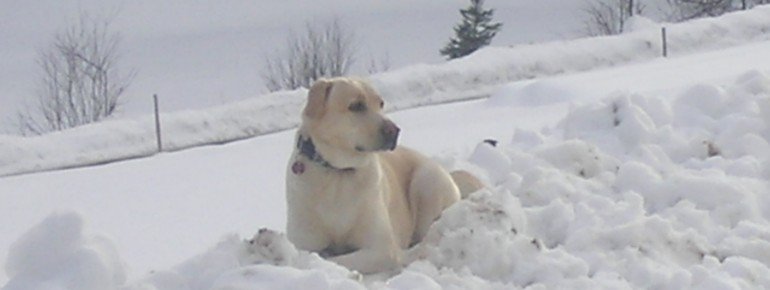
{"points": [[665, 43], [157, 123]]}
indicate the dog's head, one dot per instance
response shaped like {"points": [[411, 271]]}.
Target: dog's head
{"points": [[346, 115]]}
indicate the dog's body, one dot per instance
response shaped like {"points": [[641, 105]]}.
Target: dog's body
{"points": [[351, 193]]}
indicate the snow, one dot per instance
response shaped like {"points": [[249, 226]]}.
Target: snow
{"points": [[57, 254], [472, 77], [646, 175], [620, 194], [133, 138], [579, 204], [537, 92]]}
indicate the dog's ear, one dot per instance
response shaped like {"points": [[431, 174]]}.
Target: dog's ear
{"points": [[317, 97]]}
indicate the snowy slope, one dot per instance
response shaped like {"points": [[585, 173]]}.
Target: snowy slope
{"points": [[602, 179], [409, 87]]}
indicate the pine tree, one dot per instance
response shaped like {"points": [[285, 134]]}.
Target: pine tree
{"points": [[474, 32]]}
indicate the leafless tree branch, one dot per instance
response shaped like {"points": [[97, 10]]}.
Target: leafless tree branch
{"points": [[609, 17], [690, 9], [79, 82], [377, 65], [321, 51]]}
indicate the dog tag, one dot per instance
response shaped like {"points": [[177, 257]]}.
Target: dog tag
{"points": [[298, 168]]}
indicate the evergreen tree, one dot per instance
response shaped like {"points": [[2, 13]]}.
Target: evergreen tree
{"points": [[475, 31]]}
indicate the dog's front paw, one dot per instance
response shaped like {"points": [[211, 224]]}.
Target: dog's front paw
{"points": [[270, 247]]}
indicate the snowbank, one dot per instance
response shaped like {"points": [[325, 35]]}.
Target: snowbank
{"points": [[471, 77], [57, 254], [115, 140], [634, 192], [480, 73]]}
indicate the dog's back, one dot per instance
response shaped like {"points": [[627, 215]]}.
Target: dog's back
{"points": [[466, 182]]}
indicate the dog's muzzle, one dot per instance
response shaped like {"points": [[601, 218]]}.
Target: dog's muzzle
{"points": [[389, 135]]}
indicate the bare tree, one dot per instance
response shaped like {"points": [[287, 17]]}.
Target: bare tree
{"points": [[322, 51], [689, 9], [79, 82], [378, 65], [609, 17], [746, 4]]}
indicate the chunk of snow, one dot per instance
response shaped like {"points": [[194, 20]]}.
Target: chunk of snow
{"points": [[56, 254]]}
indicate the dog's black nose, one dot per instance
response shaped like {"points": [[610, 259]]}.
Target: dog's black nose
{"points": [[389, 135], [390, 129]]}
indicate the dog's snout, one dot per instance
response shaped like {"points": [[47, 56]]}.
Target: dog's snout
{"points": [[389, 135], [390, 128]]}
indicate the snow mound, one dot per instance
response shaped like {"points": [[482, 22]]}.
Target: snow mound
{"points": [[56, 255], [267, 261], [639, 193], [475, 76]]}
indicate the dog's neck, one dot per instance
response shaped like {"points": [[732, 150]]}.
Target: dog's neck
{"points": [[306, 147]]}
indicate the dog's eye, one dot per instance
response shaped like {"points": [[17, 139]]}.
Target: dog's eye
{"points": [[382, 104], [357, 107]]}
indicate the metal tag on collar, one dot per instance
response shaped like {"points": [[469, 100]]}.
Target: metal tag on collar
{"points": [[298, 167]]}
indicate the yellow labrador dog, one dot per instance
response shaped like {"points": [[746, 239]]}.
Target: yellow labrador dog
{"points": [[352, 194]]}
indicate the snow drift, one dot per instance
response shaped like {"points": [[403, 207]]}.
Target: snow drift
{"points": [[632, 192], [471, 77], [58, 254]]}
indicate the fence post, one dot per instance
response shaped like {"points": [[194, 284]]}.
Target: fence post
{"points": [[665, 43], [157, 123]]}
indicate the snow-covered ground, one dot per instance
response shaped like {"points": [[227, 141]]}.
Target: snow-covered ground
{"points": [[474, 76], [649, 175]]}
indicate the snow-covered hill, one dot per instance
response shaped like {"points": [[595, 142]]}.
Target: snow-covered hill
{"points": [[470, 77], [652, 174]]}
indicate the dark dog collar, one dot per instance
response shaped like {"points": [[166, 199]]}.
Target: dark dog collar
{"points": [[307, 148]]}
